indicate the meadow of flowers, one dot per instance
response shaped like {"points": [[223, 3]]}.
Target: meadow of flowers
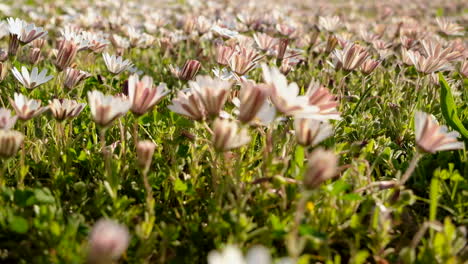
{"points": [[233, 132]]}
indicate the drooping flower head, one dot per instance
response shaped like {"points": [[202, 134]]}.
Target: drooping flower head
{"points": [[431, 137]]}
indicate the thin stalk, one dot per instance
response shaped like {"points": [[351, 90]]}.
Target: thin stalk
{"points": [[135, 132], [411, 168]]}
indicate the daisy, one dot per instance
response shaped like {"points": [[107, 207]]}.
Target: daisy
{"points": [[116, 64], [26, 108], [32, 80], [431, 137], [107, 108]]}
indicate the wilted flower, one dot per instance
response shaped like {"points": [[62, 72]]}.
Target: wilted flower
{"points": [[67, 51], [7, 121], [330, 23], [212, 92], [188, 104], [108, 240], [23, 31], [116, 64], [252, 97], [32, 80], [351, 57], [310, 132], [321, 166], [74, 76], [369, 66], [106, 108], [26, 108], [143, 95], [430, 137], [227, 135], [286, 96], [145, 151], [10, 142], [65, 109], [188, 72]]}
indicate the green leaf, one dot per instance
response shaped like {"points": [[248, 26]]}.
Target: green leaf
{"points": [[299, 156], [449, 109], [18, 224], [434, 197], [180, 186], [44, 196]]}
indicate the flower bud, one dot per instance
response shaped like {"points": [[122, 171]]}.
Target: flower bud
{"points": [[10, 142], [188, 72], [67, 51], [145, 151], [107, 242], [322, 165]]}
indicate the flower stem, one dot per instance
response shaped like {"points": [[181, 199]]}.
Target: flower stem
{"points": [[411, 168]]}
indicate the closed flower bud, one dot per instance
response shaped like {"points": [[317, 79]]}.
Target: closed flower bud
{"points": [[67, 51], [351, 57], [10, 142], [227, 135], [322, 165], [282, 46], [34, 56], [3, 70], [13, 45], [369, 66], [145, 151], [332, 41], [108, 240], [3, 55], [188, 72], [73, 77], [252, 97]]}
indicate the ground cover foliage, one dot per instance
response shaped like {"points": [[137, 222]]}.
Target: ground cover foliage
{"points": [[233, 131]]}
